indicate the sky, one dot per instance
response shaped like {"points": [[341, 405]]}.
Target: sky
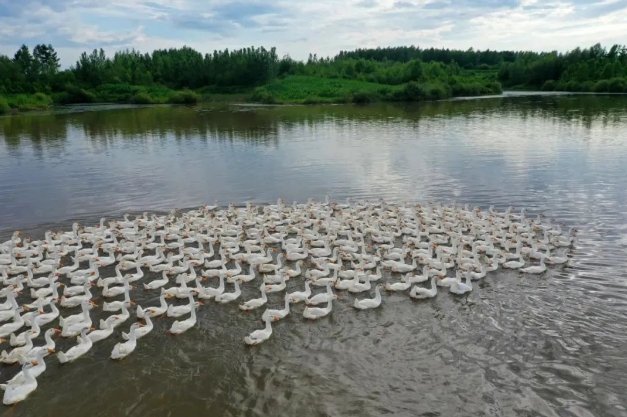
{"points": [[300, 27]]}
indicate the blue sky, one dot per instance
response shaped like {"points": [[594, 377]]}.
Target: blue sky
{"points": [[299, 27]]}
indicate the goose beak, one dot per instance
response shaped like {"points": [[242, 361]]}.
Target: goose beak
{"points": [[50, 350]]}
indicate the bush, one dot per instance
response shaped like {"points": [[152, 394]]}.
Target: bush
{"points": [[494, 87], [311, 100], [602, 86], [117, 93], [385, 93], [42, 100], [573, 86], [437, 92], [4, 106], [75, 95], [262, 95], [142, 98], [29, 101], [587, 86], [549, 85], [411, 92], [617, 85], [363, 97], [184, 97]]}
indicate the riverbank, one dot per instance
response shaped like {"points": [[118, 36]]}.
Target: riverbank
{"points": [[292, 89]]}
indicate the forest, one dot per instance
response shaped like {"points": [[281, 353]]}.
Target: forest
{"points": [[183, 75]]}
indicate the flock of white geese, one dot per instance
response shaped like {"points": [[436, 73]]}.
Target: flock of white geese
{"points": [[211, 252]]}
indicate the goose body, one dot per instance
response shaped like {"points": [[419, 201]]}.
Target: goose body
{"points": [[83, 346], [368, 303], [122, 350]]}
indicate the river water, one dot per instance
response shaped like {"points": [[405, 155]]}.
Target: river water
{"points": [[549, 345]]}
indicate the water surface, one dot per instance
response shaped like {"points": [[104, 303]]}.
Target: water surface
{"points": [[552, 345]]}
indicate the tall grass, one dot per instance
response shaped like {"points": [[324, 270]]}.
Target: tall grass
{"points": [[4, 106], [310, 90], [35, 101]]}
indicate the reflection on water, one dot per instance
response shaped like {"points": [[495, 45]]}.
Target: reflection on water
{"points": [[63, 166], [546, 346]]}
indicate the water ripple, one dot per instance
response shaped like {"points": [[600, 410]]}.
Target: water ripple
{"points": [[548, 346]]}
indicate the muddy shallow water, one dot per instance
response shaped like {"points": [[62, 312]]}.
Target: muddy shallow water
{"points": [[550, 345]]}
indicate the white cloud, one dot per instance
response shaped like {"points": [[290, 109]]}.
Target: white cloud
{"points": [[299, 27]]}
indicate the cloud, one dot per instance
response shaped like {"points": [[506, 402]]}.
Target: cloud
{"points": [[403, 5], [367, 3], [299, 27]]}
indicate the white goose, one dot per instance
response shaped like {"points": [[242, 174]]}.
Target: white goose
{"points": [[314, 313], [77, 351], [141, 331], [207, 293], [255, 302], [420, 293], [298, 296], [227, 297], [181, 326], [106, 330], [458, 287], [14, 393], [322, 297], [158, 283], [368, 303], [154, 311], [178, 311], [122, 350], [46, 349], [277, 314], [535, 269], [259, 336]]}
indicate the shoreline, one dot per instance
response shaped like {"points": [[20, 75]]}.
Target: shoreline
{"points": [[238, 100]]}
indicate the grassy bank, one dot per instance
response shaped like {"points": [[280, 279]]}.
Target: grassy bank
{"points": [[293, 89], [24, 102], [310, 90]]}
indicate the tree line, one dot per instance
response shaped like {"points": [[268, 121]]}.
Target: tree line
{"points": [[458, 71], [590, 69]]}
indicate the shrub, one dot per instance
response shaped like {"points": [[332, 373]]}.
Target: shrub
{"points": [[75, 95], [42, 100], [363, 97], [587, 86], [412, 91], [385, 93], [142, 98], [29, 101], [117, 93], [549, 85], [617, 85], [313, 100], [602, 86], [4, 106], [437, 92], [573, 86], [494, 87], [184, 97], [262, 95]]}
